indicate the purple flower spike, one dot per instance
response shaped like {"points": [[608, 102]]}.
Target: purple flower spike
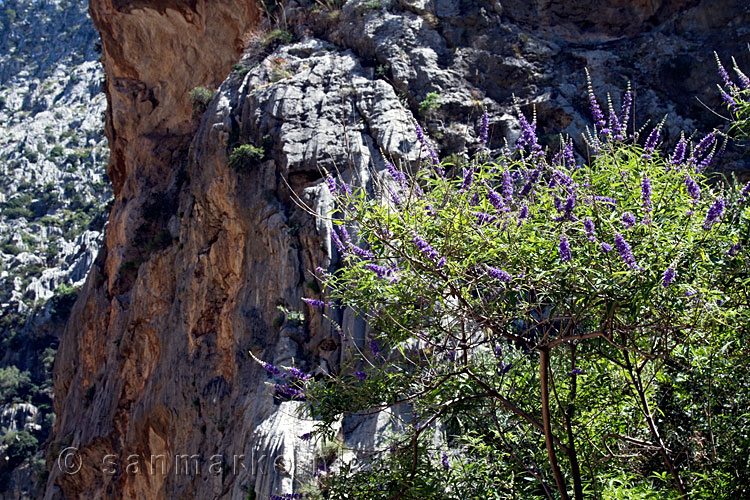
{"points": [[723, 73], [692, 188], [744, 80], [566, 209], [507, 185], [745, 193], [498, 351], [468, 178], [495, 200], [704, 145], [575, 371], [628, 220], [596, 111], [483, 218], [291, 392], [729, 101], [339, 244], [395, 198], [499, 274], [679, 152], [360, 375], [523, 214], [606, 247], [627, 102], [374, 348], [714, 213], [420, 133], [705, 162], [474, 200], [397, 175], [626, 253], [528, 136], [445, 462], [316, 303], [614, 121], [331, 182], [272, 370], [668, 277], [653, 138], [362, 253], [345, 236], [380, 271], [347, 189], [734, 249], [564, 248], [484, 128], [306, 436], [588, 226], [568, 156], [299, 374], [430, 152], [646, 193], [606, 199], [425, 248]]}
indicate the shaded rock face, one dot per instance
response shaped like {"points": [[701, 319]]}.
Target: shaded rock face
{"points": [[205, 263]]}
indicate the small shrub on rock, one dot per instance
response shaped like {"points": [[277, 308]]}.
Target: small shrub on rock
{"points": [[246, 156], [201, 97]]}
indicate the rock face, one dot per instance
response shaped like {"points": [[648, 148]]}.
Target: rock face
{"points": [[205, 263], [53, 194]]}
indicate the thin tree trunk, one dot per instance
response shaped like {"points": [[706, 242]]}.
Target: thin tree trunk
{"points": [[544, 385], [653, 428], [573, 454]]}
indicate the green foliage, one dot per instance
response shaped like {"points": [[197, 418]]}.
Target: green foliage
{"points": [[430, 103], [14, 384], [368, 5], [329, 5], [279, 72], [56, 151], [570, 326], [240, 70], [18, 213], [19, 447], [246, 156], [201, 97], [31, 155], [10, 249], [295, 318], [62, 302], [277, 37]]}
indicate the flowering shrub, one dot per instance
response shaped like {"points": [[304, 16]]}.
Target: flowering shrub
{"points": [[552, 328], [736, 97]]}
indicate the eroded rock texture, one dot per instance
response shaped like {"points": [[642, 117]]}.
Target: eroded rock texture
{"points": [[199, 256]]}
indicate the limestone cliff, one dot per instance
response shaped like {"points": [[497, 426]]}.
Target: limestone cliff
{"points": [[204, 263], [53, 194]]}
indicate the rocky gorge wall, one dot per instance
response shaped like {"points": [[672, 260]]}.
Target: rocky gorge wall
{"points": [[203, 263], [53, 194]]}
